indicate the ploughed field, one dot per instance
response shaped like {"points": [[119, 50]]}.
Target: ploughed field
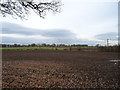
{"points": [[59, 69]]}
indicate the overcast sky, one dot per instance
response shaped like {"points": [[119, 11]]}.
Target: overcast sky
{"points": [[80, 22]]}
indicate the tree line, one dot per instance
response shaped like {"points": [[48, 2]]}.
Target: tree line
{"points": [[42, 45]]}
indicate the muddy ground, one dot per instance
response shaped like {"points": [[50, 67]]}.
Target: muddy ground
{"points": [[59, 69]]}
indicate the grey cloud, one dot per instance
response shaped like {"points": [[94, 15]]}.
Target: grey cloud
{"points": [[110, 35], [8, 28], [58, 33], [49, 41], [20, 40], [57, 36], [53, 35], [40, 41]]}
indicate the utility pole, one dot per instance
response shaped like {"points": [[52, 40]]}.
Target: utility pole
{"points": [[107, 42]]}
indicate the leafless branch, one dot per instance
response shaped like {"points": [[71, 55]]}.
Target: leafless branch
{"points": [[21, 8]]}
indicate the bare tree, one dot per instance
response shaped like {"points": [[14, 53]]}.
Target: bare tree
{"points": [[22, 8]]}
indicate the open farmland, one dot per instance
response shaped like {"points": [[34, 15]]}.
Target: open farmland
{"points": [[59, 69], [46, 48]]}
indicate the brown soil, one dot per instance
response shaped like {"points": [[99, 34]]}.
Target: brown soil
{"points": [[59, 69]]}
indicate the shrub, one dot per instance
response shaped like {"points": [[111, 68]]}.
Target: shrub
{"points": [[64, 49], [56, 49], [70, 48], [109, 48], [79, 48]]}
